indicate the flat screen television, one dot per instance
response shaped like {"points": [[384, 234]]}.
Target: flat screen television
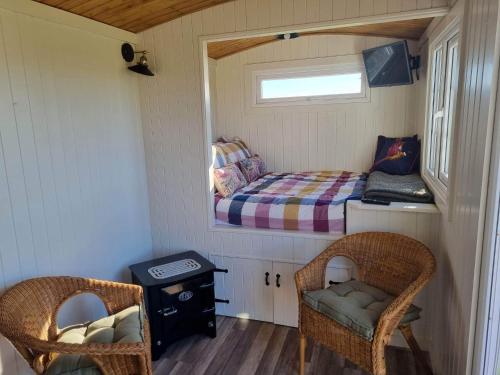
{"points": [[388, 65]]}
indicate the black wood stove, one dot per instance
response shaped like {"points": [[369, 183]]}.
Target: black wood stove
{"points": [[179, 296]]}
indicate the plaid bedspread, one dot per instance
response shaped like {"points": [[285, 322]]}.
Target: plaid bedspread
{"points": [[310, 201]]}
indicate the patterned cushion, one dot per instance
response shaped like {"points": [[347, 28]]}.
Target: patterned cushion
{"points": [[228, 179], [399, 156], [229, 152], [124, 327], [355, 305], [253, 168]]}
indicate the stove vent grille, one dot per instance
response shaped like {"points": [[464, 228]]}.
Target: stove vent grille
{"points": [[176, 268]]}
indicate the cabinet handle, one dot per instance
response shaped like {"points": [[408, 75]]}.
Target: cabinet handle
{"points": [[225, 270], [267, 278], [278, 280]]}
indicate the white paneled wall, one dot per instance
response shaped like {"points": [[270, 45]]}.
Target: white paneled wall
{"points": [[73, 194], [318, 137], [461, 230]]}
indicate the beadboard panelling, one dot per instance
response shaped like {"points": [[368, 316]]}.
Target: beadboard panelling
{"points": [[73, 195], [317, 137], [461, 231]]}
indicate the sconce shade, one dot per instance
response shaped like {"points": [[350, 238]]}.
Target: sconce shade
{"points": [[141, 69]]}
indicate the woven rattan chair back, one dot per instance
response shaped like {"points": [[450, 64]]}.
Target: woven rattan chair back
{"points": [[387, 261], [28, 318]]}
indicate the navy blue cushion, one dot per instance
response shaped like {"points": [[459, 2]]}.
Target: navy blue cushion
{"points": [[400, 156]]}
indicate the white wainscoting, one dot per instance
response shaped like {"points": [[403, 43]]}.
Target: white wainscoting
{"points": [[311, 137], [73, 195]]}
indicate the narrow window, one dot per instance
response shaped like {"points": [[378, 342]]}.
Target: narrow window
{"points": [[444, 59], [322, 82], [312, 86]]}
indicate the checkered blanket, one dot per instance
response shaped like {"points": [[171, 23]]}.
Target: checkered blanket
{"points": [[309, 201]]}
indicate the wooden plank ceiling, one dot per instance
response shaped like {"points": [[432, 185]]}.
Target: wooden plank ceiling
{"points": [[408, 29], [132, 15]]}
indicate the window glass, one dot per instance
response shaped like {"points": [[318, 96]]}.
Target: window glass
{"points": [[434, 118], [321, 85], [450, 97]]}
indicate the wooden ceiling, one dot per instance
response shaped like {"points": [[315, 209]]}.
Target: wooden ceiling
{"points": [[132, 15], [408, 29]]}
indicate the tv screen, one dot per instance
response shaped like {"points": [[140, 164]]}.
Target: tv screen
{"points": [[388, 65]]}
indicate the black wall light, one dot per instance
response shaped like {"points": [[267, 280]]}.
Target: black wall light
{"points": [[141, 67], [287, 36]]}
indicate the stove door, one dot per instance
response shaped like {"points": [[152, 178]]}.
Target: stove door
{"points": [[186, 306]]}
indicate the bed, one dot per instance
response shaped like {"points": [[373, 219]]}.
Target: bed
{"points": [[309, 201]]}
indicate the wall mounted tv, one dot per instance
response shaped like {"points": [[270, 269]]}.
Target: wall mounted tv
{"points": [[388, 65]]}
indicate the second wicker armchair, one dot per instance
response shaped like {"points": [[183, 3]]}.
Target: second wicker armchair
{"points": [[357, 318]]}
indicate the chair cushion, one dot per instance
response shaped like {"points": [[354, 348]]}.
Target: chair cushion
{"points": [[126, 326], [355, 305]]}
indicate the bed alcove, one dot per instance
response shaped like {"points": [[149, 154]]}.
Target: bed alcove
{"points": [[331, 136]]}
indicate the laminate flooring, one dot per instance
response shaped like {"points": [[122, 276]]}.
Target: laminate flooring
{"points": [[247, 347]]}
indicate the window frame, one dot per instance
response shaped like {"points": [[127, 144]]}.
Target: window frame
{"points": [[441, 111], [256, 73]]}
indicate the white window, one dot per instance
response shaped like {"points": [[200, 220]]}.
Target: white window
{"points": [[443, 81], [317, 81]]}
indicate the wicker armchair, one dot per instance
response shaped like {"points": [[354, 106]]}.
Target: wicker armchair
{"points": [[28, 314], [396, 264]]}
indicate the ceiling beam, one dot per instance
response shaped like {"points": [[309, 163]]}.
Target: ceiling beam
{"points": [[407, 29]]}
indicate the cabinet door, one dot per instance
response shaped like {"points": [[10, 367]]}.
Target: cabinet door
{"points": [[286, 310], [244, 285]]}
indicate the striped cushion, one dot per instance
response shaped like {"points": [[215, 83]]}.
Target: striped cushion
{"points": [[229, 152]]}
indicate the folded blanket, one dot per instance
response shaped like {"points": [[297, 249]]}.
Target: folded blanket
{"points": [[395, 188]]}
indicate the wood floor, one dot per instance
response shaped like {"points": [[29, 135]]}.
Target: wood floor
{"points": [[246, 347]]}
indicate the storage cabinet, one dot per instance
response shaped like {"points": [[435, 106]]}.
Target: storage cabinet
{"points": [[245, 287], [262, 289]]}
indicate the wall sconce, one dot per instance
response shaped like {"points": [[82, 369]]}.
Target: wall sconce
{"points": [[288, 36], [141, 67]]}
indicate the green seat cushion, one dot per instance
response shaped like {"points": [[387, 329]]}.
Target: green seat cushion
{"points": [[126, 326], [355, 305]]}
